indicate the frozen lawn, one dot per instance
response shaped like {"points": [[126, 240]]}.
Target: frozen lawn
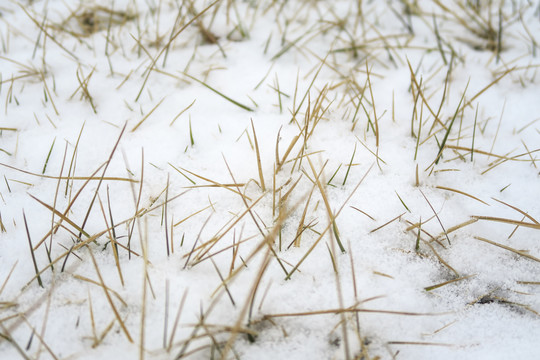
{"points": [[269, 179]]}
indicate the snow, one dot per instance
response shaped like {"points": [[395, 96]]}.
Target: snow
{"points": [[204, 272]]}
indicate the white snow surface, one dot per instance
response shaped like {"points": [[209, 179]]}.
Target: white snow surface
{"points": [[210, 271]]}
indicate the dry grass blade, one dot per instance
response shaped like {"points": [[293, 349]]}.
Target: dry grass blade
{"points": [[535, 226], [193, 214], [454, 228], [145, 284], [436, 215], [168, 243], [502, 157], [90, 281], [259, 166], [72, 162], [181, 112], [488, 86], [363, 212], [518, 252], [290, 45], [331, 216], [112, 235], [420, 343], [377, 135], [83, 86], [440, 258], [56, 198], [373, 153], [301, 226], [111, 303], [533, 160], [61, 216], [227, 290], [7, 277], [215, 183], [147, 115], [32, 251], [281, 162], [462, 193], [433, 287], [528, 282], [176, 320], [387, 223], [70, 177], [518, 210], [351, 310], [349, 167]]}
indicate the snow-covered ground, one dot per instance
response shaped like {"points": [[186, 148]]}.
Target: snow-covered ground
{"points": [[264, 179]]}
